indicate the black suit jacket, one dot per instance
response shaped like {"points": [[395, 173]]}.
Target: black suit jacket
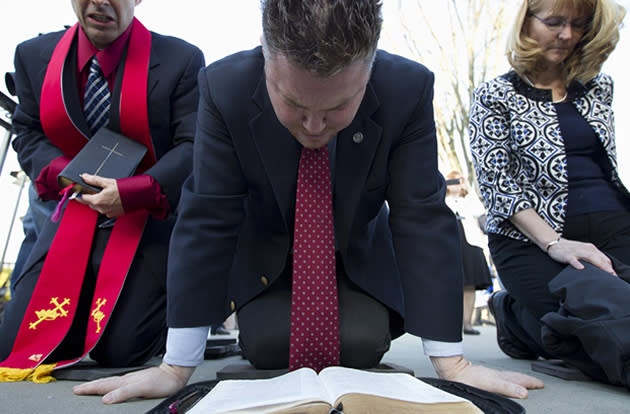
{"points": [[394, 233], [591, 328], [172, 102]]}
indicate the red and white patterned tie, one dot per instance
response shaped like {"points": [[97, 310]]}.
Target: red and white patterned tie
{"points": [[314, 306]]}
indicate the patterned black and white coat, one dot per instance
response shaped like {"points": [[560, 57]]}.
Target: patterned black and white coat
{"points": [[518, 149]]}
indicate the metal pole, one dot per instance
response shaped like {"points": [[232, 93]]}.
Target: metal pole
{"points": [[4, 147], [22, 181], [7, 104]]}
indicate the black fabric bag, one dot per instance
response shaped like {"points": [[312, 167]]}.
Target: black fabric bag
{"points": [[591, 329], [488, 402]]}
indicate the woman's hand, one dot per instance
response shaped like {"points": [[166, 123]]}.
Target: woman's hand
{"points": [[572, 251], [559, 249]]}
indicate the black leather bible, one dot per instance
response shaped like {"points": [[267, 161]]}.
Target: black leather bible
{"points": [[107, 154]]}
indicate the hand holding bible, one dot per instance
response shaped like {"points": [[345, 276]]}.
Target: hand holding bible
{"points": [[107, 201]]}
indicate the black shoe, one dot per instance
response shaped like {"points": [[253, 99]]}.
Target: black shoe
{"points": [[509, 344], [471, 331]]}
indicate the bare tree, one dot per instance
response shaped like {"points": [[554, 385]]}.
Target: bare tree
{"points": [[462, 41]]}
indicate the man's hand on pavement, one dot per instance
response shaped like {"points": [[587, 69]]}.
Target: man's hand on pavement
{"points": [[508, 383], [156, 382]]}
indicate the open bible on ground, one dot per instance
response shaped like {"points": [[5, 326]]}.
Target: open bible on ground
{"points": [[346, 389]]}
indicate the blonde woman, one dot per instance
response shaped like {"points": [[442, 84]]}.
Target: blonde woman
{"points": [[543, 144]]}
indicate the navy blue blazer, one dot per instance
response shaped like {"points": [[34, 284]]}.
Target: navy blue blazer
{"points": [[394, 233]]}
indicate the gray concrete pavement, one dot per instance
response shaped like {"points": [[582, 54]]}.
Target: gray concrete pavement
{"points": [[559, 396]]}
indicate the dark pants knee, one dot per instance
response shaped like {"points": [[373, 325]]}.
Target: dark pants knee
{"points": [[363, 329], [265, 322], [136, 330], [15, 309], [128, 350]]}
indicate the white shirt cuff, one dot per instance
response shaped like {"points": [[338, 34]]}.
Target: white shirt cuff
{"points": [[185, 346], [442, 349]]}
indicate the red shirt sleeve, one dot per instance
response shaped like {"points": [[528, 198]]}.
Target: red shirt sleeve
{"points": [[143, 192], [46, 183]]}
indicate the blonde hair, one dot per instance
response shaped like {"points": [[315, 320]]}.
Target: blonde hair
{"points": [[597, 42]]}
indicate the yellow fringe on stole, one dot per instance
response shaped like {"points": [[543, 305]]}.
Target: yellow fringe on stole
{"points": [[40, 375]]}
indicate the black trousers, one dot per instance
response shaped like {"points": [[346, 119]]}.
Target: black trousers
{"points": [[525, 270], [136, 330], [264, 324]]}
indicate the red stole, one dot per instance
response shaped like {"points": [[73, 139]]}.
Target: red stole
{"points": [[55, 298]]}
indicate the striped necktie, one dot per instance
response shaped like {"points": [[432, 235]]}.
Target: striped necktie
{"points": [[97, 100]]}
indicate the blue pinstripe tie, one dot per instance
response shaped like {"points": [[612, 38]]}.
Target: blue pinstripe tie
{"points": [[97, 100]]}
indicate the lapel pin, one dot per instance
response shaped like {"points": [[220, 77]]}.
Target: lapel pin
{"points": [[357, 138]]}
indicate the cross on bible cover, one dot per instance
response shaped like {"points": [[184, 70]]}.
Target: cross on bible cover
{"points": [[107, 154]]}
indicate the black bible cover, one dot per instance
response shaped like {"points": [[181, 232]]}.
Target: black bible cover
{"points": [[107, 154]]}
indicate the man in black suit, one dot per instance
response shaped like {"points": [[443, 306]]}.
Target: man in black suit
{"points": [[151, 81], [316, 84]]}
